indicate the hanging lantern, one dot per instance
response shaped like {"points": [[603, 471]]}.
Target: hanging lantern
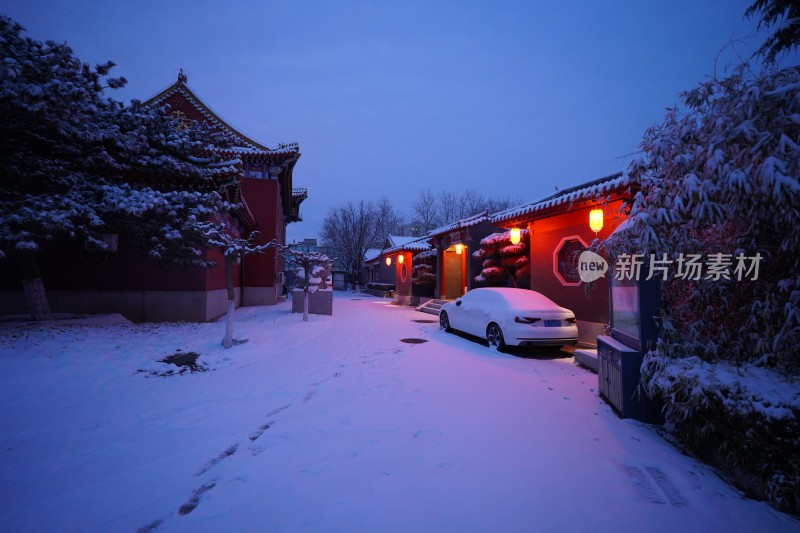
{"points": [[515, 234], [400, 259], [596, 220], [388, 260], [459, 248]]}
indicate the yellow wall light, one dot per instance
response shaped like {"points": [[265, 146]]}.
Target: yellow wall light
{"points": [[596, 220]]}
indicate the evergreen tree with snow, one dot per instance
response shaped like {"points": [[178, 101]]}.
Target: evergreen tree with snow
{"points": [[76, 163]]}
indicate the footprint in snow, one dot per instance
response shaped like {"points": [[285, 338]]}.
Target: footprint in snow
{"points": [[278, 410], [309, 395], [260, 431], [218, 459], [194, 501]]}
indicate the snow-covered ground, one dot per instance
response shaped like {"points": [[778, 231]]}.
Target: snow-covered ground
{"points": [[330, 425]]}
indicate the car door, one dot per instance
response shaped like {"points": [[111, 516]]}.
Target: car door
{"points": [[474, 313]]}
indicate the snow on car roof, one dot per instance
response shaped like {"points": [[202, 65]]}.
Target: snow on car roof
{"points": [[522, 298]]}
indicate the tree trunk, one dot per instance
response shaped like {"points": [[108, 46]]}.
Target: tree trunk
{"points": [[305, 304], [34, 291], [227, 342]]}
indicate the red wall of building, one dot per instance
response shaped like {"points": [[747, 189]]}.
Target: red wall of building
{"points": [[546, 236], [66, 266], [402, 283], [263, 198]]}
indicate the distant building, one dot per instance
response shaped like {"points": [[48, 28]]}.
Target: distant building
{"points": [[339, 270]]}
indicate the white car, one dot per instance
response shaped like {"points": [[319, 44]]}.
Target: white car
{"points": [[505, 316]]}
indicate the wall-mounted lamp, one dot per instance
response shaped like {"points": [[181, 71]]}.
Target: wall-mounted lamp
{"points": [[459, 248], [400, 259], [515, 234], [388, 260], [596, 220]]}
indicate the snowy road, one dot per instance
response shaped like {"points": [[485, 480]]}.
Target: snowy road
{"points": [[331, 425]]}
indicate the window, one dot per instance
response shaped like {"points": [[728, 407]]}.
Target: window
{"points": [[565, 260]]}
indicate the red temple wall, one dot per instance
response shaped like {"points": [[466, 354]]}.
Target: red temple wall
{"points": [[547, 234]]}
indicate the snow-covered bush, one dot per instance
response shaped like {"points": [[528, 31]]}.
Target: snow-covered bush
{"points": [[721, 177], [503, 262], [423, 271]]}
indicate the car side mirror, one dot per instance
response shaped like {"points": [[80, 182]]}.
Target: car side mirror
{"points": [[458, 302]]}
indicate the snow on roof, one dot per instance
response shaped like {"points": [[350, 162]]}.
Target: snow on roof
{"points": [[584, 191], [459, 224], [398, 240], [372, 254], [415, 244], [248, 145]]}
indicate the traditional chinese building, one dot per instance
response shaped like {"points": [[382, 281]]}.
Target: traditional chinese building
{"points": [[561, 226], [455, 244], [80, 279], [399, 262]]}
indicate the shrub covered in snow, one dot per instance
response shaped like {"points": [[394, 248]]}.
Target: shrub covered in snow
{"points": [[504, 262], [721, 177], [423, 271]]}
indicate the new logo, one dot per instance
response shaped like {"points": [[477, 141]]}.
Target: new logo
{"points": [[591, 266]]}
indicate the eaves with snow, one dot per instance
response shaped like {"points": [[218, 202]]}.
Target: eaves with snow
{"points": [[599, 190], [460, 224]]}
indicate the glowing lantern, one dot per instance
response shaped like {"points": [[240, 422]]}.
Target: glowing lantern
{"points": [[596, 220], [515, 235], [459, 248], [400, 259], [388, 260]]}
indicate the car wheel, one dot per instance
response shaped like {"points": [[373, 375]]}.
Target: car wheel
{"points": [[444, 321], [495, 336]]}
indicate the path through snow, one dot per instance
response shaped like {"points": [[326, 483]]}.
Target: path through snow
{"points": [[333, 424]]}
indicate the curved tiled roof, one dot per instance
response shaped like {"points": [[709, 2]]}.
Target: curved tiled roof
{"points": [[413, 244], [460, 224], [246, 145], [586, 191]]}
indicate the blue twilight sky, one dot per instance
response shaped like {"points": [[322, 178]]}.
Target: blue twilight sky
{"points": [[388, 98]]}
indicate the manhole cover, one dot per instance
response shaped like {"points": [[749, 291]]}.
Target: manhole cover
{"points": [[425, 321], [413, 341]]}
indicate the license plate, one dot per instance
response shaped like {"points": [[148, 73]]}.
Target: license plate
{"points": [[552, 323]]}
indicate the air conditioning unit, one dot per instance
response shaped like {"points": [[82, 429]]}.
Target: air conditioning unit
{"points": [[280, 278], [111, 241]]}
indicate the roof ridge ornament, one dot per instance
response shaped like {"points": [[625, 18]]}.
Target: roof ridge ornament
{"points": [[182, 78]]}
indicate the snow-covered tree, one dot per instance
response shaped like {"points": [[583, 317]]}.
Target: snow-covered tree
{"points": [[312, 269], [721, 178], [503, 261], [233, 248], [76, 162], [784, 17]]}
